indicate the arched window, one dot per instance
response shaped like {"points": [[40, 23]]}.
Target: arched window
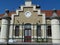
{"points": [[27, 26], [17, 30]]}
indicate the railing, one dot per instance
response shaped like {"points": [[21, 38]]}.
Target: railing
{"points": [[35, 38]]}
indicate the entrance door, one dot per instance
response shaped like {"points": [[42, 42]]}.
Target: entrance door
{"points": [[27, 37], [27, 33]]}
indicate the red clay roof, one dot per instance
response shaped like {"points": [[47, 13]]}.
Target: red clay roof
{"points": [[47, 12], [10, 13]]}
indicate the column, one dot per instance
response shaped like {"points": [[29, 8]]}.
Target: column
{"points": [[4, 31], [43, 27], [11, 33], [5, 27], [55, 31], [11, 29]]}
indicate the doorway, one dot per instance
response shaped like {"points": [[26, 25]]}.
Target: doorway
{"points": [[27, 32]]}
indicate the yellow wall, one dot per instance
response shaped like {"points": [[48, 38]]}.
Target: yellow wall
{"points": [[23, 19]]}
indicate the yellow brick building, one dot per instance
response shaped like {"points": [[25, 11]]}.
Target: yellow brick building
{"points": [[30, 24]]}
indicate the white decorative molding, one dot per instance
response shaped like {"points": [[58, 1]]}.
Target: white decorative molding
{"points": [[28, 3], [39, 12], [34, 7], [33, 36]]}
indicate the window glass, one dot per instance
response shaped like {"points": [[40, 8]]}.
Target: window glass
{"points": [[27, 28], [27, 32], [49, 30], [38, 30], [17, 30]]}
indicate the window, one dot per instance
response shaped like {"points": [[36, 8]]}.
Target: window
{"points": [[17, 30], [38, 30], [27, 28], [49, 30], [27, 32]]}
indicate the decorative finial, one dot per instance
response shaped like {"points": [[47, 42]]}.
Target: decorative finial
{"points": [[54, 10], [54, 14], [7, 11], [19, 7], [38, 6], [6, 15]]}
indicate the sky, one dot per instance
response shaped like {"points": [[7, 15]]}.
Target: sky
{"points": [[12, 5]]}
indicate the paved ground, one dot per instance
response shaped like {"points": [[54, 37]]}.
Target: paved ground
{"points": [[25, 43], [29, 44]]}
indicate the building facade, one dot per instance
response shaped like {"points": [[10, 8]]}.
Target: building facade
{"points": [[30, 24]]}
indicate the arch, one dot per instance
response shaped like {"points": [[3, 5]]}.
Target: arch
{"points": [[27, 26]]}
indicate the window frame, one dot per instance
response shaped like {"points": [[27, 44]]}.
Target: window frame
{"points": [[49, 31], [17, 30]]}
